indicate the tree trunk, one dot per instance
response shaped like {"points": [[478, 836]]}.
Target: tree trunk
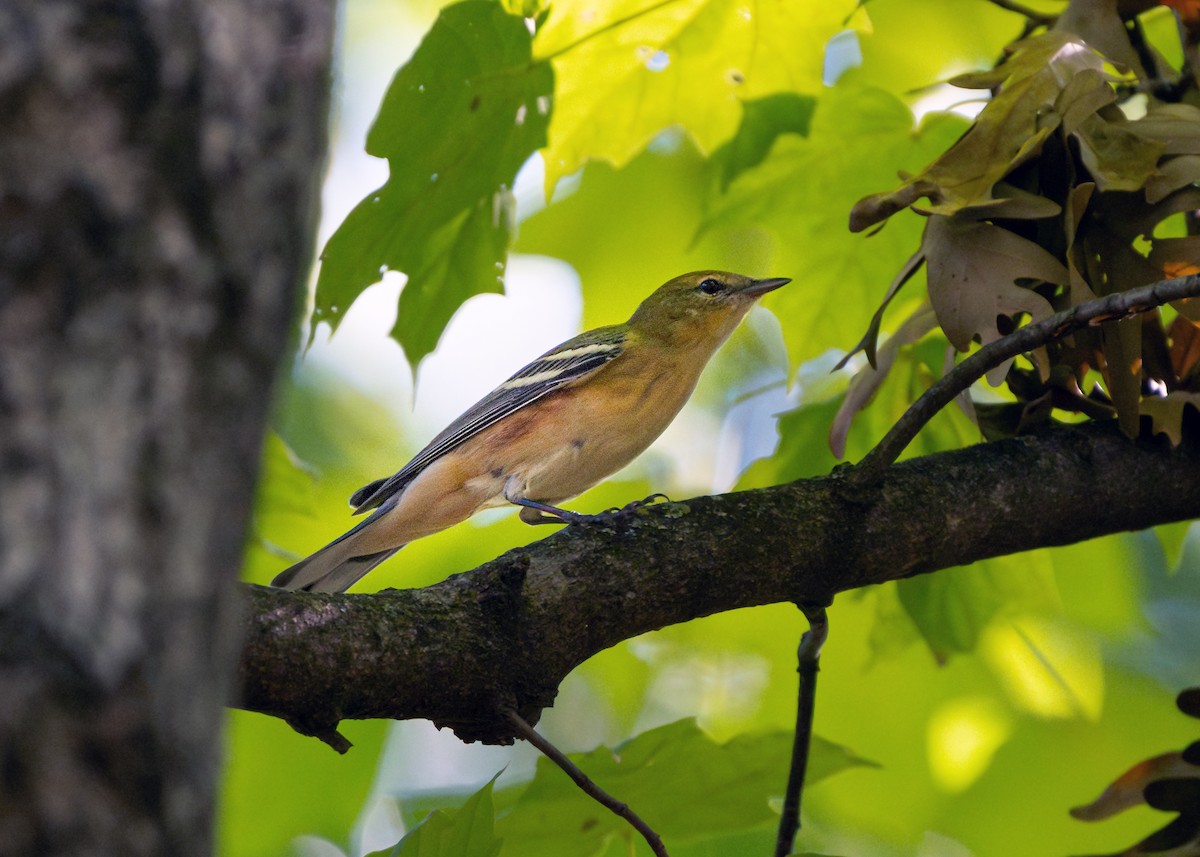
{"points": [[159, 166]]}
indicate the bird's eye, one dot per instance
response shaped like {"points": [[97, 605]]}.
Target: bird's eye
{"points": [[711, 287]]}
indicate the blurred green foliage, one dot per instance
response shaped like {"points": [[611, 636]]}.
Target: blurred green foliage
{"points": [[688, 788], [993, 698], [466, 832]]}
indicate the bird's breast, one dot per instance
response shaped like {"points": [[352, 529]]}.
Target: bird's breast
{"points": [[578, 436]]}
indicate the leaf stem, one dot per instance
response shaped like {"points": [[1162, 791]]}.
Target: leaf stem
{"points": [[585, 783], [942, 392]]}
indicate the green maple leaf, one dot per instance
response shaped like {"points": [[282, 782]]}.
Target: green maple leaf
{"points": [[458, 121], [628, 69]]}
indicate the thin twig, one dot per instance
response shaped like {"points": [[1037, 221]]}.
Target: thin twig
{"points": [[584, 782], [808, 661], [1032, 14], [1024, 339]]}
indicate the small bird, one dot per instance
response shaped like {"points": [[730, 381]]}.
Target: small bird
{"points": [[569, 419]]}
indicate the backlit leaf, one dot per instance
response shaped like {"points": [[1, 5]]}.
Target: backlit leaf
{"points": [[763, 121], [628, 69], [1173, 537], [951, 609], [457, 123], [803, 449], [286, 491], [859, 137]]}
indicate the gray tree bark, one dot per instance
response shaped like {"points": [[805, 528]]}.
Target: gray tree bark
{"points": [[159, 168]]}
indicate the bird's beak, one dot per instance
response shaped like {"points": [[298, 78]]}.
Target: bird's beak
{"points": [[761, 287]]}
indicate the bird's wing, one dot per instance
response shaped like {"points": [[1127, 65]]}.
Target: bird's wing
{"points": [[570, 362]]}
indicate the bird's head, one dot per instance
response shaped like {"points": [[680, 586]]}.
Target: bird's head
{"points": [[702, 307]]}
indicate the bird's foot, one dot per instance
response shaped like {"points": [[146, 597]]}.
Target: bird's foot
{"points": [[533, 512], [632, 507]]}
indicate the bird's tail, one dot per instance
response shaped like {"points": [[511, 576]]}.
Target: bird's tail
{"points": [[334, 568]]}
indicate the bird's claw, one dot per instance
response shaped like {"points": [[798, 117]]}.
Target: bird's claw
{"points": [[543, 515], [634, 505]]}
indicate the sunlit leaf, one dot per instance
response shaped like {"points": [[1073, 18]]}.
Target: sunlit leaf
{"points": [[455, 126], [963, 737], [628, 69], [1049, 668], [912, 45]]}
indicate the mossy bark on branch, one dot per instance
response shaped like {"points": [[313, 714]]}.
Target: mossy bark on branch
{"points": [[506, 633]]}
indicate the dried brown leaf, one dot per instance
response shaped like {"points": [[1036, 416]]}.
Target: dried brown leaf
{"points": [[1176, 257], [871, 337], [868, 379], [1117, 158], [1077, 204], [1185, 347], [1176, 126], [1172, 175], [973, 269], [1009, 131], [1122, 343], [1098, 22], [1166, 413], [1126, 791], [1083, 95], [1170, 782]]}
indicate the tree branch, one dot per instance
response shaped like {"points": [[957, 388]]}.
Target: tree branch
{"points": [[1032, 15], [505, 634], [808, 664], [942, 392]]}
